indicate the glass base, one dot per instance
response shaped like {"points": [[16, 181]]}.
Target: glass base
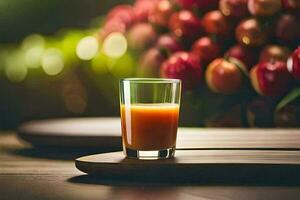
{"points": [[149, 155]]}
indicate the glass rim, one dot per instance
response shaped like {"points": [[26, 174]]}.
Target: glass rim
{"points": [[150, 80]]}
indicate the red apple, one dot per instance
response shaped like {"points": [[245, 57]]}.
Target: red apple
{"points": [[184, 66], [118, 19], [270, 78], [206, 49], [224, 76], [234, 8], [198, 4], [264, 7], [123, 13], [294, 64], [150, 63], [250, 33], [245, 54], [161, 13], [141, 36], [169, 42], [112, 26], [291, 4], [215, 22], [274, 52], [184, 24], [287, 28], [142, 8]]}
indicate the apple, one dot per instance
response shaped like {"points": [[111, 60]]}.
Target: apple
{"points": [[150, 63], [293, 64], [245, 54], [234, 8], [110, 27], [264, 8], [197, 4], [185, 24], [214, 22], [287, 28], [250, 33], [119, 19], [169, 43], [224, 75], [161, 13], [274, 52], [185, 66], [270, 78], [141, 36], [123, 13], [291, 4], [206, 49], [142, 8]]}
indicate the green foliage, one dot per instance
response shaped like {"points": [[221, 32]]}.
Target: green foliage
{"points": [[293, 95]]}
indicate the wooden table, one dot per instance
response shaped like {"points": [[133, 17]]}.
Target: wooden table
{"points": [[30, 173]]}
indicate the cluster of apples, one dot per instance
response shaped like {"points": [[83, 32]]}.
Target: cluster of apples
{"points": [[180, 38], [219, 44]]}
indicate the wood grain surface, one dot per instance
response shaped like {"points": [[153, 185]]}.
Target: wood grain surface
{"points": [[73, 132], [197, 158], [197, 138], [28, 172], [105, 132], [191, 165]]}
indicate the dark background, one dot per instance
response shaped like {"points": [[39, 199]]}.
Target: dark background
{"points": [[20, 18]]}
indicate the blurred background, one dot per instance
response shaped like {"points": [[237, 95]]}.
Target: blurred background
{"points": [[62, 85], [239, 62]]}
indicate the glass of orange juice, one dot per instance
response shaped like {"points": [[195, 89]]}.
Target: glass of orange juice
{"points": [[149, 116]]}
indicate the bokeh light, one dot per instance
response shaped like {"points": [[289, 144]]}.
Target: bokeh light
{"points": [[33, 56], [87, 48], [52, 61], [33, 40], [15, 68], [115, 45], [16, 73]]}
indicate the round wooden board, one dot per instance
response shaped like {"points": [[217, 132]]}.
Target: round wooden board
{"points": [[73, 132], [106, 132], [196, 164]]}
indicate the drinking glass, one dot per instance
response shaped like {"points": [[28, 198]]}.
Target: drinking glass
{"points": [[149, 116]]}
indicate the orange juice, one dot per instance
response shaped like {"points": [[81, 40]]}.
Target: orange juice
{"points": [[149, 126]]}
